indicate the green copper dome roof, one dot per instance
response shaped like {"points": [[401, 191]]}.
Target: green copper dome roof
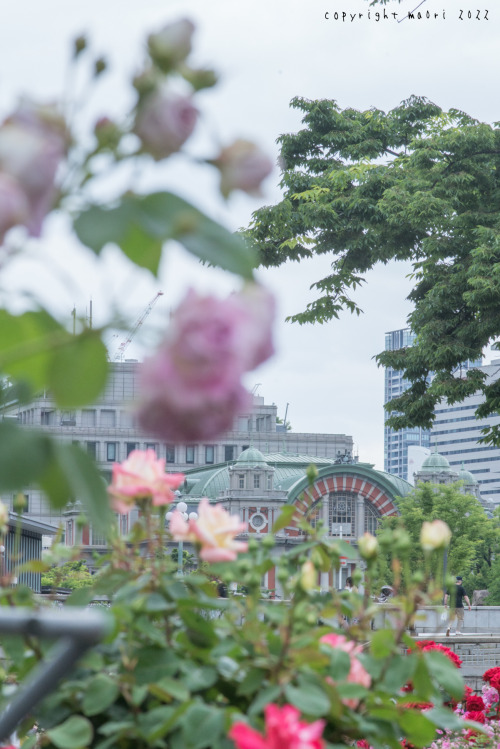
{"points": [[435, 463], [466, 476], [251, 457]]}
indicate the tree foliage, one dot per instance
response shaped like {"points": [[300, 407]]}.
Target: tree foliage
{"points": [[475, 537], [415, 184]]}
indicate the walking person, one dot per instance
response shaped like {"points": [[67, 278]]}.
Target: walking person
{"points": [[457, 609]]}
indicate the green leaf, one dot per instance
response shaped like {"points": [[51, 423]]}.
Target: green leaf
{"points": [[24, 455], [445, 673], [101, 692], [74, 733], [309, 698], [284, 518], [167, 216], [445, 718], [340, 662], [140, 224], [252, 681], [87, 485], [400, 672], [418, 729], [78, 370], [269, 694], [202, 726], [168, 688], [382, 643], [200, 677], [27, 345]]}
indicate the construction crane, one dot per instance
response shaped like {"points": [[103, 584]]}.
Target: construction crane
{"points": [[133, 330]]}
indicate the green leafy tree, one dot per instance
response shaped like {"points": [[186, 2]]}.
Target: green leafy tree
{"points": [[475, 537], [416, 184], [71, 575]]}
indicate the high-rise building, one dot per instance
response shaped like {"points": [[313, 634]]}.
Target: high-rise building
{"points": [[396, 443], [456, 433]]}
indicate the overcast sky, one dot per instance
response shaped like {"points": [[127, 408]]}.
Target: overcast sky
{"points": [[266, 51]]}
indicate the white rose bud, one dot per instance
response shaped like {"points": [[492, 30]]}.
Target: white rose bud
{"points": [[4, 518], [164, 122], [242, 166], [368, 546], [172, 44], [435, 535], [308, 576]]}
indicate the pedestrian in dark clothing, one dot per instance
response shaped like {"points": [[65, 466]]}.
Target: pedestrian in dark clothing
{"points": [[457, 608]]}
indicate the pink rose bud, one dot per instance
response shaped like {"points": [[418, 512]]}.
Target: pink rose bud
{"points": [[107, 132], [164, 122], [172, 44], [242, 166], [14, 208], [435, 535], [33, 142]]}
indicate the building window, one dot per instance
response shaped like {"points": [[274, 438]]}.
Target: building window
{"points": [[97, 538], [130, 447], [256, 481], [190, 454], [241, 480], [228, 452], [68, 419], [209, 454], [152, 446], [342, 513], [88, 417], [372, 518], [108, 418], [269, 481], [92, 449], [111, 451], [170, 453]]}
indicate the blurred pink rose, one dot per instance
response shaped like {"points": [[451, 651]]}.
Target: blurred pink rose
{"points": [[172, 44], [357, 673], [164, 122], [242, 166], [14, 208], [284, 730], [33, 143], [142, 475], [191, 387], [214, 530]]}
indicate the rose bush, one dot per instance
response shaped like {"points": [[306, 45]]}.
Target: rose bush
{"points": [[182, 668]]}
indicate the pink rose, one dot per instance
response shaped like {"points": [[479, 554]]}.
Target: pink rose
{"points": [[242, 166], [33, 143], [164, 122], [14, 208], [284, 730], [140, 476], [172, 44], [191, 388], [214, 531], [357, 673]]}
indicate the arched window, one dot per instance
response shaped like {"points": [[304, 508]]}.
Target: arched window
{"points": [[372, 518], [342, 513]]}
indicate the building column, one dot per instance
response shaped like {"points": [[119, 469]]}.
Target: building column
{"points": [[360, 515], [325, 576]]}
